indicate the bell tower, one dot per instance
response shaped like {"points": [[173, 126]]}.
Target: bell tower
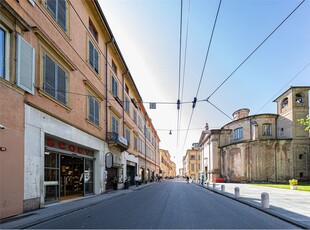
{"points": [[293, 105]]}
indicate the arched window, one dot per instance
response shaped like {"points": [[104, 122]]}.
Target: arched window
{"points": [[299, 98], [284, 103]]}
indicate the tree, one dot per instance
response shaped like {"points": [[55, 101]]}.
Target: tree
{"points": [[306, 122]]}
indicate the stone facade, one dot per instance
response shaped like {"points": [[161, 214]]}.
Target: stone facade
{"points": [[262, 147]]}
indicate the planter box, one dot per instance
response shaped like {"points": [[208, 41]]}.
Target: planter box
{"points": [[219, 180], [293, 187]]}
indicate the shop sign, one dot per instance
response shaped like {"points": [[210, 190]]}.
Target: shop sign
{"points": [[123, 140], [67, 147], [109, 160]]}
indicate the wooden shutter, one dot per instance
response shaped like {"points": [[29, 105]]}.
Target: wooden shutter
{"points": [[96, 60], [49, 76], [96, 111], [90, 108], [90, 53], [61, 85], [51, 6], [25, 65], [62, 14]]}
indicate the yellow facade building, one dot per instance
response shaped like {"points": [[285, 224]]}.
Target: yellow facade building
{"points": [[167, 166], [192, 162]]}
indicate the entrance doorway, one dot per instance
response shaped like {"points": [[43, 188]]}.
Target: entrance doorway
{"points": [[111, 175], [71, 177], [67, 176]]}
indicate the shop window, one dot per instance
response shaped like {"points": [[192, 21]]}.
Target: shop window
{"points": [[58, 10], [55, 80], [93, 56], [238, 133], [114, 87], [93, 110], [267, 131]]}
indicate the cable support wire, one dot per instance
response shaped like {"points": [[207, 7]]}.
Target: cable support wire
{"points": [[296, 75], [179, 85], [248, 57], [203, 69]]}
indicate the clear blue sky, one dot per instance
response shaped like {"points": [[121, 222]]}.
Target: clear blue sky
{"points": [[147, 32]]}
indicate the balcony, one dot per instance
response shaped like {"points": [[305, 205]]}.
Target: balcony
{"points": [[114, 139]]}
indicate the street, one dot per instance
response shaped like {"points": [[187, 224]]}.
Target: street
{"points": [[170, 204]]}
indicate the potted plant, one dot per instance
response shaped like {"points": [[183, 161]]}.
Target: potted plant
{"points": [[293, 184]]}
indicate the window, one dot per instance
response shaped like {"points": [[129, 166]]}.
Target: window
{"points": [[267, 131], [128, 135], [55, 80], [135, 143], [284, 103], [299, 99], [25, 65], [192, 157], [127, 105], [135, 116], [58, 8], [93, 30], [114, 68], [4, 53], [93, 57], [192, 167], [238, 133], [114, 87], [93, 110], [126, 89], [114, 125]]}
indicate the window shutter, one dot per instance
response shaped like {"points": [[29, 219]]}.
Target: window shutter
{"points": [[96, 112], [96, 61], [61, 86], [51, 6], [49, 75], [25, 65], [91, 53], [62, 14], [90, 108]]}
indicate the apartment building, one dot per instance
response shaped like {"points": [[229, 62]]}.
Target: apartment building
{"points": [[167, 166], [192, 162], [261, 147], [69, 121]]}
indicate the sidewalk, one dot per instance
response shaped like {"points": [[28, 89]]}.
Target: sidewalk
{"points": [[290, 205], [52, 211]]}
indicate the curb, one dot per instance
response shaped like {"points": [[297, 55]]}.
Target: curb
{"points": [[298, 224]]}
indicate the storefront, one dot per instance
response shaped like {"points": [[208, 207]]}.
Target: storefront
{"points": [[68, 170], [61, 161], [131, 172]]}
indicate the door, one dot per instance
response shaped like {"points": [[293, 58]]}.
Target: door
{"points": [[89, 176], [51, 177]]}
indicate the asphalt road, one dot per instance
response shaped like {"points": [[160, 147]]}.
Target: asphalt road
{"points": [[173, 204]]}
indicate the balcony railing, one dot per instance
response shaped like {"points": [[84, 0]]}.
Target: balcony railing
{"points": [[119, 141]]}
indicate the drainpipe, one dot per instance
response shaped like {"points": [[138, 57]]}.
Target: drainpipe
{"points": [[123, 83], [145, 143], [106, 83]]}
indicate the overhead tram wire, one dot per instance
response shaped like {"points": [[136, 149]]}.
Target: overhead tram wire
{"points": [[202, 73], [179, 85], [248, 57], [296, 75], [184, 64]]}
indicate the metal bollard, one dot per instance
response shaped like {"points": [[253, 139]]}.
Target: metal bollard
{"points": [[237, 192], [265, 200], [207, 184], [223, 188], [214, 184]]}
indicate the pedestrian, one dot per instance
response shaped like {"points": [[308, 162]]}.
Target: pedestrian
{"points": [[137, 180], [187, 179]]}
